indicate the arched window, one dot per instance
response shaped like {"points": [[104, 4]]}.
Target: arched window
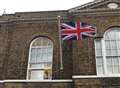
{"points": [[108, 53], [40, 59]]}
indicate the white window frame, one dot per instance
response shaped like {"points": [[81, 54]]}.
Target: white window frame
{"points": [[28, 67]]}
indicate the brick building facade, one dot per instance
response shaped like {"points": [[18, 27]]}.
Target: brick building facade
{"points": [[81, 68]]}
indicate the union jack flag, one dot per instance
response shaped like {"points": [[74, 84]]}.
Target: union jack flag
{"points": [[77, 31]]}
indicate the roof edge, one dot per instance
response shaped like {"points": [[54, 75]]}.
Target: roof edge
{"points": [[85, 5]]}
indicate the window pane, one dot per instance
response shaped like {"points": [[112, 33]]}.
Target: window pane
{"points": [[33, 55], [118, 52], [38, 42], [98, 44], [111, 44], [109, 61], [37, 74], [99, 64], [99, 61], [41, 65], [98, 48], [98, 52], [37, 66], [109, 70], [115, 65], [115, 70], [118, 44], [99, 70], [111, 52], [109, 65]]}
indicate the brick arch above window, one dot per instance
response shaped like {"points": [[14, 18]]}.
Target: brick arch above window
{"points": [[102, 30]]}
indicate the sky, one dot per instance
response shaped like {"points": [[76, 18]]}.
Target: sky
{"points": [[12, 6]]}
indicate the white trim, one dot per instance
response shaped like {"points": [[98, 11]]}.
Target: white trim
{"points": [[94, 76], [104, 57], [52, 81], [1, 81]]}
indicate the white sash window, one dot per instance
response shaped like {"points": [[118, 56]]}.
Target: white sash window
{"points": [[108, 53], [40, 59]]}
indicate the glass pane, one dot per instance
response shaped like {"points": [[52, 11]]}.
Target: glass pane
{"points": [[49, 50], [109, 61], [98, 44], [37, 74], [44, 58], [115, 61], [33, 55], [118, 35], [98, 48], [49, 57], [109, 65], [45, 42], [39, 54], [99, 65], [40, 74], [111, 52], [107, 44], [116, 69], [37, 42], [118, 44], [98, 52], [42, 41], [110, 35], [44, 50], [99, 61], [37, 66], [109, 70], [108, 52], [118, 52], [115, 65], [99, 70], [41, 66]]}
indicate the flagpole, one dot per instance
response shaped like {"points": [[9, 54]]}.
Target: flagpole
{"points": [[60, 40]]}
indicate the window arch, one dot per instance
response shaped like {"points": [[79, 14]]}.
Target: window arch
{"points": [[40, 59], [108, 53]]}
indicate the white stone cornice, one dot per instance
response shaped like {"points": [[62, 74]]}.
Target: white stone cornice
{"points": [[97, 12], [34, 81], [94, 76], [93, 4]]}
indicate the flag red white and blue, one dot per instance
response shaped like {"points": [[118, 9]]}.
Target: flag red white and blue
{"points": [[77, 31]]}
